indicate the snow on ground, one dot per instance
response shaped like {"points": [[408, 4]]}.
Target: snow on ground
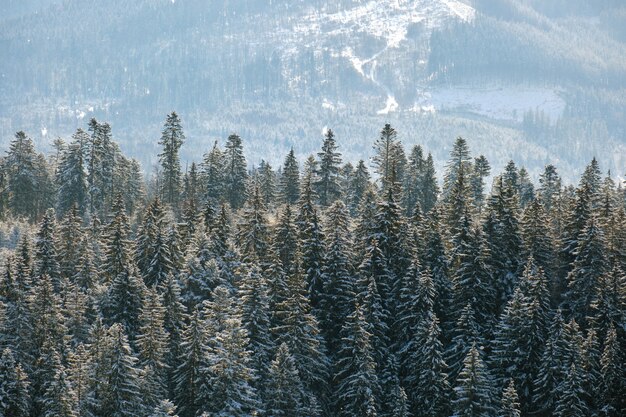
{"points": [[392, 105], [507, 103]]}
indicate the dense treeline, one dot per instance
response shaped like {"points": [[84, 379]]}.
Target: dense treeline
{"points": [[316, 289]]}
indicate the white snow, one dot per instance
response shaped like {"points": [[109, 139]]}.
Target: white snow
{"points": [[44, 131], [392, 105], [501, 103]]}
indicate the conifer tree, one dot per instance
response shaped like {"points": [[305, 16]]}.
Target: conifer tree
{"points": [[172, 138], [526, 188], [48, 323], [70, 239], [187, 376], [327, 183], [173, 324], [588, 266], [152, 343], [356, 383], [359, 185], [311, 243], [255, 318], [253, 233], [15, 399], [570, 400], [123, 302], [482, 169], [164, 409], [536, 242], [46, 257], [122, 396], [460, 161], [612, 381], [60, 398], [510, 406], [212, 174], [465, 334], [72, 176], [285, 243], [285, 392], [429, 185], [299, 330], [413, 180], [267, 182], [81, 376], [388, 155], [473, 391], [338, 293], [21, 165], [117, 253], [235, 171], [290, 180], [549, 188]]}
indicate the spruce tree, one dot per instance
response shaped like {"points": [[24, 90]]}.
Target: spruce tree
{"points": [[212, 175], [72, 176], [359, 185], [164, 409], [510, 406], [123, 302], [327, 183], [285, 392], [253, 233], [172, 138], [355, 382], [460, 161], [235, 172], [15, 398], [46, 256], [117, 253], [290, 180], [187, 376], [482, 169], [570, 400], [473, 391], [60, 399], [21, 165], [387, 154], [429, 185]]}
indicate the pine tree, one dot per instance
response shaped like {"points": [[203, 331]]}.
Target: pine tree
{"points": [[612, 381], [460, 161], [122, 396], [212, 175], [252, 233], [164, 409], [117, 253], [60, 399], [290, 180], [172, 138], [298, 329], [588, 266], [285, 243], [311, 244], [72, 176], [473, 391], [152, 343], [570, 399], [482, 169], [526, 188], [123, 302], [81, 376], [230, 374], [70, 240], [235, 172], [15, 399], [537, 243], [255, 317], [432, 390], [355, 381], [429, 185], [388, 152], [327, 183], [285, 392], [267, 182], [338, 293], [359, 185], [466, 333], [173, 324], [187, 380], [21, 165], [47, 319], [550, 188], [510, 406], [46, 257]]}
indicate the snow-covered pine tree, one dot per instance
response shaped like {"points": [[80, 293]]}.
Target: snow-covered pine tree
{"points": [[46, 256], [285, 393], [235, 172], [509, 405], [60, 399], [360, 184], [187, 380], [337, 300], [290, 180], [460, 163], [311, 243], [212, 172], [15, 399], [327, 173], [122, 395], [117, 253], [165, 408], [285, 239], [71, 176], [152, 342], [172, 138], [474, 394], [355, 382], [173, 323], [252, 229], [123, 302]]}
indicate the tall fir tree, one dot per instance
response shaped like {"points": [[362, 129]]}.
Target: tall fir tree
{"points": [[327, 173], [473, 391], [236, 173], [172, 138], [72, 176], [290, 179]]}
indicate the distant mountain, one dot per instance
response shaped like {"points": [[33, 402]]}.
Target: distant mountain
{"points": [[530, 80]]}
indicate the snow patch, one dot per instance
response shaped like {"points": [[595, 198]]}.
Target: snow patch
{"points": [[392, 105], [44, 131]]}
